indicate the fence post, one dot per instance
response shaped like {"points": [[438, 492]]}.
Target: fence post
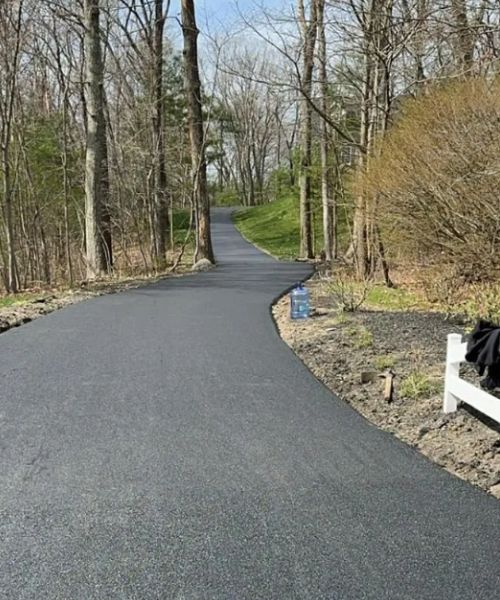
{"points": [[452, 369]]}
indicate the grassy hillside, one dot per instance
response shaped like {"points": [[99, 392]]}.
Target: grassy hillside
{"points": [[274, 227]]}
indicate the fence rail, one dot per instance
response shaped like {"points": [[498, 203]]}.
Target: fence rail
{"points": [[457, 389]]}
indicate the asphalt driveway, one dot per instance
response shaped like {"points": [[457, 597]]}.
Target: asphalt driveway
{"points": [[163, 443]]}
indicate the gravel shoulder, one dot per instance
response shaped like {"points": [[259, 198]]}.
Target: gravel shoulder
{"points": [[351, 352]]}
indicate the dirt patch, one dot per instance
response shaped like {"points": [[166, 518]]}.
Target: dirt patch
{"points": [[345, 350]]}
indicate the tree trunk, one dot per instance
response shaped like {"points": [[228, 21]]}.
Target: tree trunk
{"points": [[7, 99], [369, 107], [160, 211], [327, 200], [196, 132], [107, 239], [64, 164], [309, 30], [360, 216], [464, 37], [12, 277], [96, 132]]}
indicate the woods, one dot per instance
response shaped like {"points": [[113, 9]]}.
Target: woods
{"points": [[95, 142], [116, 117], [357, 74]]}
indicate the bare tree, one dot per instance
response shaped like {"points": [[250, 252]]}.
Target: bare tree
{"points": [[160, 172], [308, 41], [11, 22], [328, 201], [252, 112], [96, 142], [196, 132]]}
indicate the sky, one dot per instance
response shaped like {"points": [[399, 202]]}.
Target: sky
{"points": [[220, 13], [216, 19]]}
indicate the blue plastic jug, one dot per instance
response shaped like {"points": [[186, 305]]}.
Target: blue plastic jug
{"points": [[299, 303]]}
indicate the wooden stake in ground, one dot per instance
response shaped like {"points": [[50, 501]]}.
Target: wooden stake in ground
{"points": [[388, 385], [196, 132]]}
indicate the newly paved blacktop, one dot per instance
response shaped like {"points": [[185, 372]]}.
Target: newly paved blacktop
{"points": [[163, 443]]}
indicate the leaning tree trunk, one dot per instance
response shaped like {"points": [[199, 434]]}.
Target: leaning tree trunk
{"points": [[309, 42], [196, 133], [96, 131]]}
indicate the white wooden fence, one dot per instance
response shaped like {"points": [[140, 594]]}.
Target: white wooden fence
{"points": [[456, 389]]}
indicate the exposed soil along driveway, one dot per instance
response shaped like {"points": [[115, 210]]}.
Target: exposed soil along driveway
{"points": [[351, 352], [165, 443]]}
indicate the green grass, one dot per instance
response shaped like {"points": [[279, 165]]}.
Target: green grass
{"points": [[418, 385], [384, 362], [360, 336], [18, 299], [350, 295], [274, 227], [7, 301], [364, 339], [380, 296]]}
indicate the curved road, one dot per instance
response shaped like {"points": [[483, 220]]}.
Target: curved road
{"points": [[163, 443]]}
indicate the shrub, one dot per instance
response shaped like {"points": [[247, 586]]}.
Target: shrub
{"points": [[347, 293], [459, 298], [483, 302], [435, 180]]}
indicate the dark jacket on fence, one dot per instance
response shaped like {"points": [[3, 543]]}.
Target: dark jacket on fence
{"points": [[483, 349]]}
